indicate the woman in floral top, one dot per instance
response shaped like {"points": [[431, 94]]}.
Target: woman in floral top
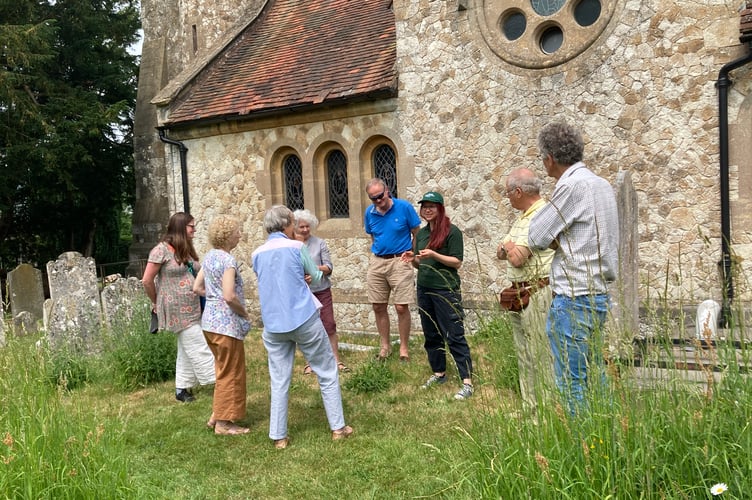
{"points": [[225, 323], [168, 281]]}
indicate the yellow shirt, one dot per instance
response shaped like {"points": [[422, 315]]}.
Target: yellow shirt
{"points": [[538, 265]]}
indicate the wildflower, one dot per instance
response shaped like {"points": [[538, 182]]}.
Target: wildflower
{"points": [[543, 465], [8, 440], [719, 488]]}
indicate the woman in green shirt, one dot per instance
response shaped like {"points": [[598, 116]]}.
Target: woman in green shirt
{"points": [[438, 255]]}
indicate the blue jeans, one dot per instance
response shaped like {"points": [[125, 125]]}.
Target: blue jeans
{"points": [[442, 319], [573, 326]]}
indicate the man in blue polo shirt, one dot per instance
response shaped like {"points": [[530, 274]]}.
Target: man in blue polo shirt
{"points": [[392, 224]]}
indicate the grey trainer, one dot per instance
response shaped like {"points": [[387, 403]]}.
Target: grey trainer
{"points": [[434, 380], [465, 392]]}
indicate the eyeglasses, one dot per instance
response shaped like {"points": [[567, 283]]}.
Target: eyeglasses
{"points": [[378, 196], [427, 207], [192, 226], [510, 191]]}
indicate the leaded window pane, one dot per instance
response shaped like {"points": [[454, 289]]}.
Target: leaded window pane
{"points": [[293, 171], [385, 167], [339, 200], [547, 7]]}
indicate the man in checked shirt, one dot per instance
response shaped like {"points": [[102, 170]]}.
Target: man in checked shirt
{"points": [[581, 224]]}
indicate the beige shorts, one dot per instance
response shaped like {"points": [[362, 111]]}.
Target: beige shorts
{"points": [[390, 277]]}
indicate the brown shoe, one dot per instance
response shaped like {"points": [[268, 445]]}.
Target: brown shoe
{"points": [[230, 429], [281, 444], [342, 433]]}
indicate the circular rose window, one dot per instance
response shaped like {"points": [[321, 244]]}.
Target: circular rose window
{"points": [[542, 33]]}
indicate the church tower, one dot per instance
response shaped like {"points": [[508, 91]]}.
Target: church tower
{"points": [[179, 36]]}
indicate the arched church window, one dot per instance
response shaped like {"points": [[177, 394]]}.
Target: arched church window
{"points": [[385, 167], [336, 174], [293, 174]]}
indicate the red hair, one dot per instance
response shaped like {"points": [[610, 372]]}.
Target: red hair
{"points": [[440, 229]]}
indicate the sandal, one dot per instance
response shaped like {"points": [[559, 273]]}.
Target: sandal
{"points": [[307, 370], [342, 367], [230, 430], [211, 423], [281, 444]]}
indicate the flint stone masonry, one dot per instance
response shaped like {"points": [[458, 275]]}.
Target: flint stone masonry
{"points": [[26, 291], [75, 319], [643, 94]]}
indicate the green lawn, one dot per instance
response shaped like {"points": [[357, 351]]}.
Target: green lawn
{"points": [[99, 440]]}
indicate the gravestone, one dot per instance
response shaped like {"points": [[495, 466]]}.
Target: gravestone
{"points": [[75, 314], [26, 291], [24, 323], [122, 300], [626, 303]]}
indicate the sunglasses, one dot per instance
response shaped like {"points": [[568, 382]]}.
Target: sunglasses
{"points": [[378, 196]]}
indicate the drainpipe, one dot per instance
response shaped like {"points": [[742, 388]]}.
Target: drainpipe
{"points": [[723, 84], [183, 166]]}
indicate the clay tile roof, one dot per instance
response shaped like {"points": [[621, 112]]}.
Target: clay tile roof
{"points": [[297, 54]]}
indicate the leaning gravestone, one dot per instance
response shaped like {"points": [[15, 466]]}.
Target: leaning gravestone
{"points": [[74, 320], [122, 300], [26, 296]]}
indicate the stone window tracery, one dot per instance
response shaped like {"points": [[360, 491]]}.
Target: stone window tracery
{"points": [[329, 178], [539, 34]]}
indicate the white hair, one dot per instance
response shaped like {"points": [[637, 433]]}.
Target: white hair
{"points": [[305, 216]]}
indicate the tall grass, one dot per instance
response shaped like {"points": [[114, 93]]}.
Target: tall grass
{"points": [[51, 446], [671, 440], [112, 438]]}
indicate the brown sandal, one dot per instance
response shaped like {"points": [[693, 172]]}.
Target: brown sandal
{"points": [[342, 367], [230, 430], [307, 370], [281, 444]]}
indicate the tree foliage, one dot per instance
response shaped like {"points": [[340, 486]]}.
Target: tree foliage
{"points": [[67, 97]]}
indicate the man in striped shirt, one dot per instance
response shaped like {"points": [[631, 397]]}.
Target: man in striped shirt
{"points": [[581, 224]]}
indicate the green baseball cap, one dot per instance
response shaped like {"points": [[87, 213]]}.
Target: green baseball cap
{"points": [[433, 197]]}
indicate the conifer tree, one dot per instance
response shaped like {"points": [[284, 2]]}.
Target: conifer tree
{"points": [[67, 96]]}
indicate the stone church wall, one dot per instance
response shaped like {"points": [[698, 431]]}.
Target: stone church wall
{"points": [[643, 92]]}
